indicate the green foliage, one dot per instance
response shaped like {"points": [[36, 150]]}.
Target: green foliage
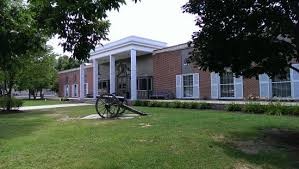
{"points": [[233, 107], [13, 102], [82, 24], [255, 108], [265, 34], [65, 63], [39, 72], [204, 106]]}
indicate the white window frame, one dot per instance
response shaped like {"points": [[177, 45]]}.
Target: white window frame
{"points": [[234, 97], [75, 92], [183, 87], [279, 82]]}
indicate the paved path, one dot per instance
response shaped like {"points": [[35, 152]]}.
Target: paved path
{"points": [[53, 106], [232, 101]]}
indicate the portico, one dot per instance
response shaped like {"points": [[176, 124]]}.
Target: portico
{"points": [[122, 58]]}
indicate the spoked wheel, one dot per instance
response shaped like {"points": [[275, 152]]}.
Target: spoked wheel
{"points": [[107, 106]]}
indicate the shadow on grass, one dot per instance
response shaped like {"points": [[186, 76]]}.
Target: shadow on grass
{"points": [[273, 147], [20, 123]]}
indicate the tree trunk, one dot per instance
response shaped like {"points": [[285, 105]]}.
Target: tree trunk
{"points": [[29, 95], [41, 94], [33, 94]]}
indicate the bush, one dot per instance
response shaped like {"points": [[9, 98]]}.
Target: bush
{"points": [[14, 103], [137, 103], [254, 108], [233, 107], [204, 106], [165, 104]]}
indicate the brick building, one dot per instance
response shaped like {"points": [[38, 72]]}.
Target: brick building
{"points": [[140, 68]]}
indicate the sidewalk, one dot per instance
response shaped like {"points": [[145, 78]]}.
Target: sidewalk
{"points": [[53, 106], [224, 102]]}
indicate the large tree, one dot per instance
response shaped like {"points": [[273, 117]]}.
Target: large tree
{"points": [[249, 37], [82, 24], [39, 73], [25, 26]]}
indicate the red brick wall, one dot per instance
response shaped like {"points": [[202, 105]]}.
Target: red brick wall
{"points": [[251, 87], [89, 72], [166, 66], [74, 78]]}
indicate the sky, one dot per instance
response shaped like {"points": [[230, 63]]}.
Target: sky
{"points": [[161, 20]]}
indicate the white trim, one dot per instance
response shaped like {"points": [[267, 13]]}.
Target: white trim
{"points": [[182, 86], [172, 48], [112, 74], [126, 44], [74, 69], [134, 94], [85, 89]]}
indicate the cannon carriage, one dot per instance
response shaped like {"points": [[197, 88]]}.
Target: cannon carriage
{"points": [[110, 106]]}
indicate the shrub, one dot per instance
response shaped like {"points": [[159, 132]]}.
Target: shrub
{"points": [[233, 107], [204, 106], [14, 103], [145, 103], [151, 104], [254, 108], [137, 103], [165, 104], [194, 105], [172, 105]]}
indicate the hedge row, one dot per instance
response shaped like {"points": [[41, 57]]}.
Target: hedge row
{"points": [[176, 104], [270, 109]]}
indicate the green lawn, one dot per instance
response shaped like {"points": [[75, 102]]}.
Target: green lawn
{"points": [[41, 102], [167, 138]]}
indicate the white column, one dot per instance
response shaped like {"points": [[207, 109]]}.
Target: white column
{"points": [[133, 75], [112, 74], [95, 78], [82, 80]]}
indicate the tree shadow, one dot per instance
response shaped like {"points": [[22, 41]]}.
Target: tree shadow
{"points": [[20, 124], [273, 147]]}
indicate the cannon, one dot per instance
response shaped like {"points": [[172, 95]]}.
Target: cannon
{"points": [[111, 106]]}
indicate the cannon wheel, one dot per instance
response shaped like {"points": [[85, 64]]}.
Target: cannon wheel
{"points": [[108, 106]]}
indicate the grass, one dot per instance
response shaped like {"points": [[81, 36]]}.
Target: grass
{"points": [[167, 138], [41, 102]]}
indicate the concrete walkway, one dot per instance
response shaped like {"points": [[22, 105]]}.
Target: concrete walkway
{"points": [[224, 102], [53, 106]]}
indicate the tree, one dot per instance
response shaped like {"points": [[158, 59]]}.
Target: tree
{"points": [[25, 26], [82, 24], [249, 37], [18, 37], [65, 63], [39, 74]]}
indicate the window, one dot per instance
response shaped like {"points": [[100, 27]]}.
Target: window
{"points": [[227, 87], [187, 61], [85, 89], [144, 83], [104, 86], [281, 86], [75, 90], [188, 85], [67, 91]]}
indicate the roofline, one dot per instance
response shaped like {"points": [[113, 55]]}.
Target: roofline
{"points": [[131, 41], [172, 48], [73, 70]]}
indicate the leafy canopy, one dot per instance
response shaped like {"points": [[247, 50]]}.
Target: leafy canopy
{"points": [[249, 37], [82, 24]]}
